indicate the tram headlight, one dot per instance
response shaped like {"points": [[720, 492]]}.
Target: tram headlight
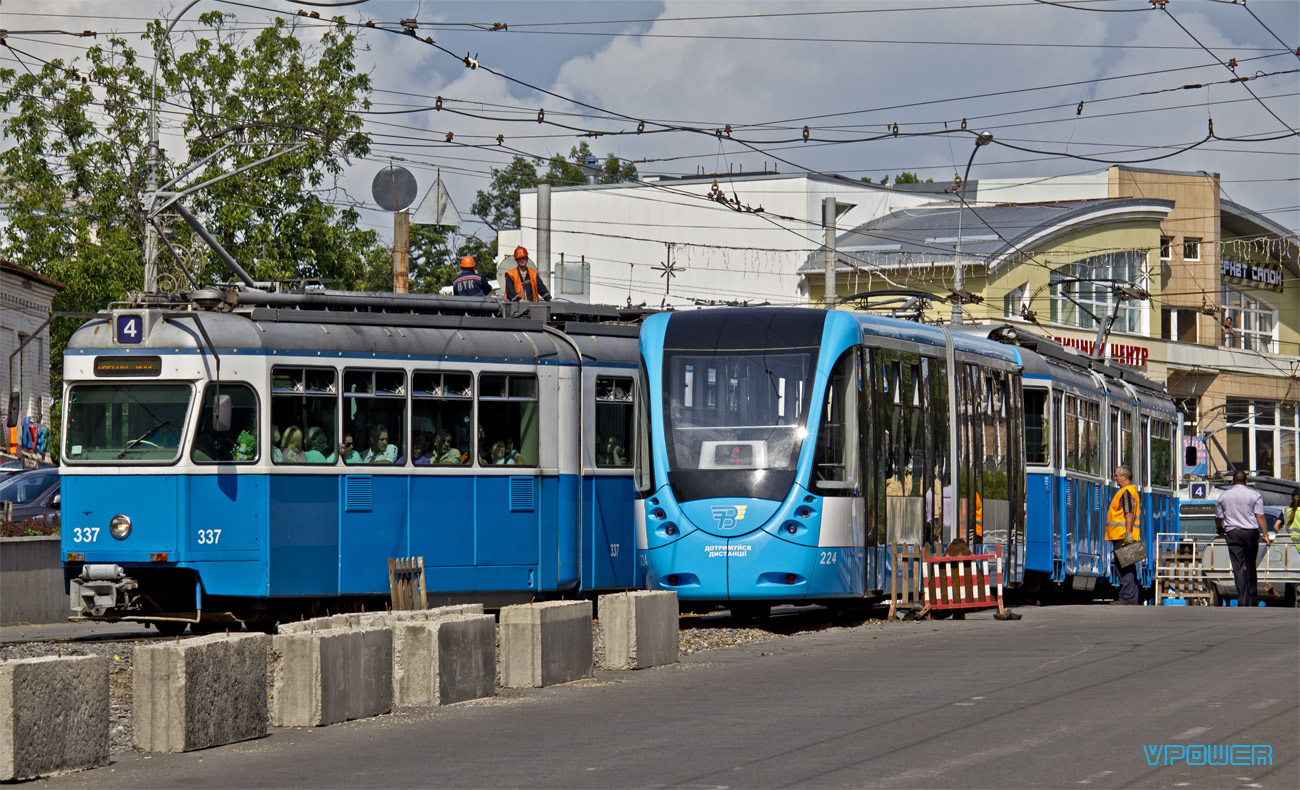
{"points": [[120, 526]]}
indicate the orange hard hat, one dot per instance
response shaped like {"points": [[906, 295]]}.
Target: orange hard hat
{"points": [[467, 262], [520, 252]]}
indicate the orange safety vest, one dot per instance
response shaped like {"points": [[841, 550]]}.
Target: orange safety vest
{"points": [[1115, 522], [979, 516], [513, 276]]}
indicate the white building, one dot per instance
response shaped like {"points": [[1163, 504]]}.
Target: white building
{"points": [[674, 241], [25, 299]]}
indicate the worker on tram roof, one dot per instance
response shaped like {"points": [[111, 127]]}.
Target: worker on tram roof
{"points": [[523, 283], [470, 282]]}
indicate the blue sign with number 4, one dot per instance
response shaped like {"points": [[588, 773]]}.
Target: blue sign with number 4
{"points": [[130, 329]]}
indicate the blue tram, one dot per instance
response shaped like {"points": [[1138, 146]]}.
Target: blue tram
{"points": [[1083, 418], [784, 450], [250, 457]]}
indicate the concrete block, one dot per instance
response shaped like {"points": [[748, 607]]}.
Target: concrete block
{"points": [[53, 716], [390, 619], [376, 619], [640, 629], [543, 644], [440, 662], [200, 693], [331, 676], [31, 581]]}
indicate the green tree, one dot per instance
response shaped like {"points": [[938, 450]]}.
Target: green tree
{"points": [[902, 178], [498, 206], [75, 169]]}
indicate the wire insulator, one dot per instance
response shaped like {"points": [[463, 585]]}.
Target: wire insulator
{"points": [[541, 115]]}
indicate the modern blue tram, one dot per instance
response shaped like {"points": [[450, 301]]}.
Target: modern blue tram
{"points": [[250, 457], [784, 450]]}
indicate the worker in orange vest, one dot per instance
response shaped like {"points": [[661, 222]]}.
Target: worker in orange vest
{"points": [[1122, 520], [523, 282]]}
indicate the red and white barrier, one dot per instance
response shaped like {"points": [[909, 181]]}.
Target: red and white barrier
{"points": [[962, 582]]}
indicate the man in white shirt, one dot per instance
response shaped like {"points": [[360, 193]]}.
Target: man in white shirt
{"points": [[1239, 517]]}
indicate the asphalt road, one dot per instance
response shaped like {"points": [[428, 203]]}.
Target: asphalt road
{"points": [[1066, 697]]}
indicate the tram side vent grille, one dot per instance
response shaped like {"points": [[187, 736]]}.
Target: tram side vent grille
{"points": [[523, 494], [358, 493]]}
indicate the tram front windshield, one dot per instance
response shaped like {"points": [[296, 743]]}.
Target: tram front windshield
{"points": [[735, 422], [126, 422]]}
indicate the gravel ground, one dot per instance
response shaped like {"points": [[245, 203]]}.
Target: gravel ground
{"points": [[120, 654]]}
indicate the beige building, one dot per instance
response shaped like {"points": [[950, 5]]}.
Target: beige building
{"points": [[1220, 324]]}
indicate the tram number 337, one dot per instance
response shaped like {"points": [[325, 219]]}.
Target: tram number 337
{"points": [[85, 534], [211, 536], [826, 558]]}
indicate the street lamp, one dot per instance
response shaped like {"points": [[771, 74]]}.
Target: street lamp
{"points": [[151, 195], [958, 282]]}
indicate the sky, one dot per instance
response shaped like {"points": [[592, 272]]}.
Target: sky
{"points": [[1065, 87]]}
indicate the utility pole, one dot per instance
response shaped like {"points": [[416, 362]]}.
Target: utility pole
{"points": [[544, 232], [958, 274], [151, 185], [401, 252], [828, 221]]}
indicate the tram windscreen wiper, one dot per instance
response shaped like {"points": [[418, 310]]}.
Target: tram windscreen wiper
{"points": [[131, 444]]}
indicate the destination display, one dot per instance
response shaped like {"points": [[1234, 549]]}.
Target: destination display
{"points": [[128, 366]]}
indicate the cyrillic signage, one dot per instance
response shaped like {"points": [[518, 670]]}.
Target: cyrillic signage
{"points": [[1266, 275], [1123, 353]]}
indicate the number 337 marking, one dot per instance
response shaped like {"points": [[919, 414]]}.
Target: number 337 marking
{"points": [[85, 534], [212, 536]]}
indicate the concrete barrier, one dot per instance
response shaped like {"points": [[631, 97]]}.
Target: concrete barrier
{"points": [[640, 629], [543, 644], [53, 716], [377, 619], [31, 581], [200, 693], [444, 661], [330, 676]]}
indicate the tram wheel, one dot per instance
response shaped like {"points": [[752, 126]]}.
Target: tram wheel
{"points": [[1216, 599], [169, 627]]}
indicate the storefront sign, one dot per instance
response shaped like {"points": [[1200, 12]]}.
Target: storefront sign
{"points": [[1266, 275], [1124, 354]]}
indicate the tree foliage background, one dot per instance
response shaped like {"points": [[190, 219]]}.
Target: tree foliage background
{"points": [[75, 169]]}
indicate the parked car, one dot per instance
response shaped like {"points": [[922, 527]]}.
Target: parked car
{"points": [[10, 468], [34, 494]]}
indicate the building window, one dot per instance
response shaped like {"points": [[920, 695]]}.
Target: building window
{"points": [[1166, 247], [1085, 291], [1248, 323], [1176, 324], [1013, 302], [1191, 249], [1261, 436]]}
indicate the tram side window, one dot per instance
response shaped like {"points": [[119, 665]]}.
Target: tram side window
{"points": [[835, 468], [304, 415], [1037, 427], [614, 412], [1121, 438], [1162, 454], [442, 415], [507, 419], [1091, 418], [374, 417], [237, 445]]}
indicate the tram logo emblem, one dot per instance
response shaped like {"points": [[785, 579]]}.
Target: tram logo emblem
{"points": [[728, 515]]}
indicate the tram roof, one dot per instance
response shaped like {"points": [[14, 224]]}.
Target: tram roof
{"points": [[274, 330]]}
